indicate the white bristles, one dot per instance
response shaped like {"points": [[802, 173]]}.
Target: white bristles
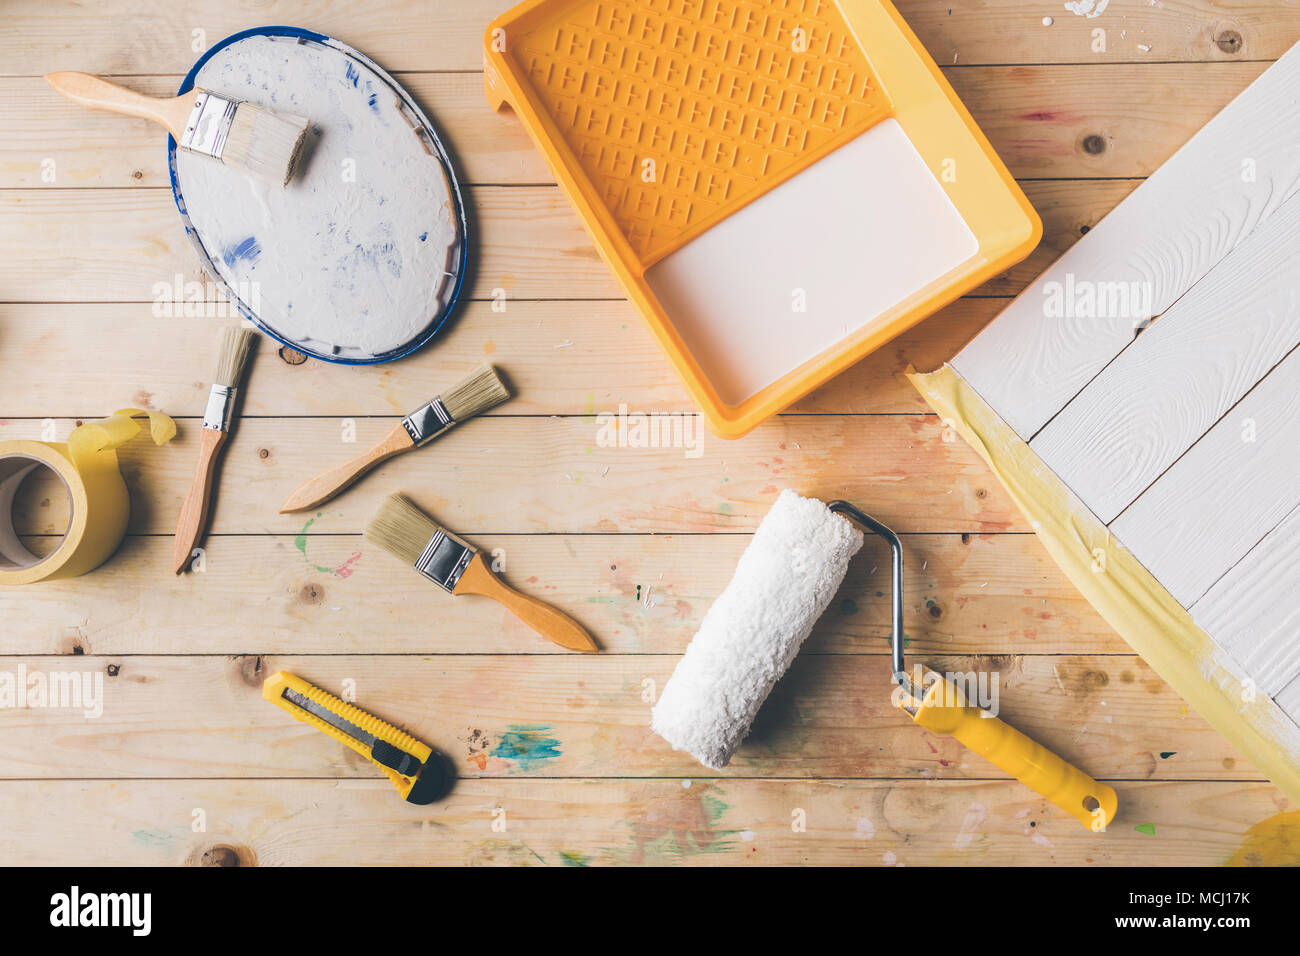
{"points": [[483, 389], [264, 144], [235, 345]]}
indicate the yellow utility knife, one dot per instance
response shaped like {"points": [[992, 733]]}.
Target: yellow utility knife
{"points": [[419, 773]]}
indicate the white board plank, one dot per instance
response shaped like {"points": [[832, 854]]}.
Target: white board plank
{"points": [[1220, 499], [1288, 699], [1252, 611], [1199, 206], [1164, 391]]}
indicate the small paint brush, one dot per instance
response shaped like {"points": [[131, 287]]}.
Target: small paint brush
{"points": [[476, 393], [407, 533], [242, 135], [236, 343]]}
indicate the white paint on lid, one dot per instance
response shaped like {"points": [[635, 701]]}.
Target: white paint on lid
{"points": [[353, 255]]}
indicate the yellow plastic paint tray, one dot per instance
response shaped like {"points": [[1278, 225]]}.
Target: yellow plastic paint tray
{"points": [[780, 186]]}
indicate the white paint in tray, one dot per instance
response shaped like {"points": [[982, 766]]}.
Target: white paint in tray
{"points": [[353, 256], [846, 240]]}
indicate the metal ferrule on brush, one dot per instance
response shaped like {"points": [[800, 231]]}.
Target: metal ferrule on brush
{"points": [[428, 422], [444, 560], [209, 124], [221, 407]]}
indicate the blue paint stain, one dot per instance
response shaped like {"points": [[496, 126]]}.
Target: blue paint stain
{"points": [[248, 250], [527, 745], [424, 236], [373, 102], [154, 838], [353, 74]]}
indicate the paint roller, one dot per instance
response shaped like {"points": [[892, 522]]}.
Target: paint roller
{"points": [[783, 582]]}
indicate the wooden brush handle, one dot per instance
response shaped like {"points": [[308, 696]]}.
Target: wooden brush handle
{"points": [[194, 512], [555, 626], [171, 112], [316, 491]]}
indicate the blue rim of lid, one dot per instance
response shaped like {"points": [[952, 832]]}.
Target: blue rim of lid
{"points": [[437, 324]]}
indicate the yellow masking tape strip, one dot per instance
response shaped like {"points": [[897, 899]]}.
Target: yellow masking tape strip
{"points": [[1131, 600], [87, 466]]}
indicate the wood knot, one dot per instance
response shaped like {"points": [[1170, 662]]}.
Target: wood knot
{"points": [[263, 453], [1229, 41], [935, 609], [1092, 680], [251, 669], [311, 594], [113, 669], [291, 356], [138, 174], [224, 855], [981, 493], [965, 538], [1094, 144]]}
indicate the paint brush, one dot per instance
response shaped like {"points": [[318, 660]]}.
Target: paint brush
{"points": [[236, 343], [407, 533], [242, 135], [480, 390]]}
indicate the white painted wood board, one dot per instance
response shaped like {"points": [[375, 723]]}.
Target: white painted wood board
{"points": [[1225, 494], [1199, 206], [1166, 389], [1253, 613]]}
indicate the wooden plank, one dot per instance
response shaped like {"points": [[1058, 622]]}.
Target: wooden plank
{"points": [[1187, 217], [1231, 489], [151, 360], [471, 479], [1252, 613], [127, 245], [581, 716], [591, 822], [39, 36], [42, 35], [112, 245], [1163, 392], [638, 594], [1046, 122]]}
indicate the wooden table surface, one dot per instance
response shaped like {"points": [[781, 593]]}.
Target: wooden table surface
{"points": [[187, 764]]}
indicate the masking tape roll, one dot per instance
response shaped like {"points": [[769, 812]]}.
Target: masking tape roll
{"points": [[100, 506]]}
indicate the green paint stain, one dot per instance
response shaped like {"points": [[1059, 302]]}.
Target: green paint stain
{"points": [[300, 542], [527, 745], [725, 508], [1166, 754], [714, 809], [1148, 828], [589, 410], [574, 858]]}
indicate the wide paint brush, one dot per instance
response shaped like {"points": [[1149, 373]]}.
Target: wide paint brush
{"points": [[235, 346], [480, 390], [242, 135], [407, 533]]}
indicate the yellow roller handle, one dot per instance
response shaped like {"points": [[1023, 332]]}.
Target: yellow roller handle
{"points": [[944, 709]]}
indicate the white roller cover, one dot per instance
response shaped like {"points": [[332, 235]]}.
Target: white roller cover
{"points": [[783, 582]]}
